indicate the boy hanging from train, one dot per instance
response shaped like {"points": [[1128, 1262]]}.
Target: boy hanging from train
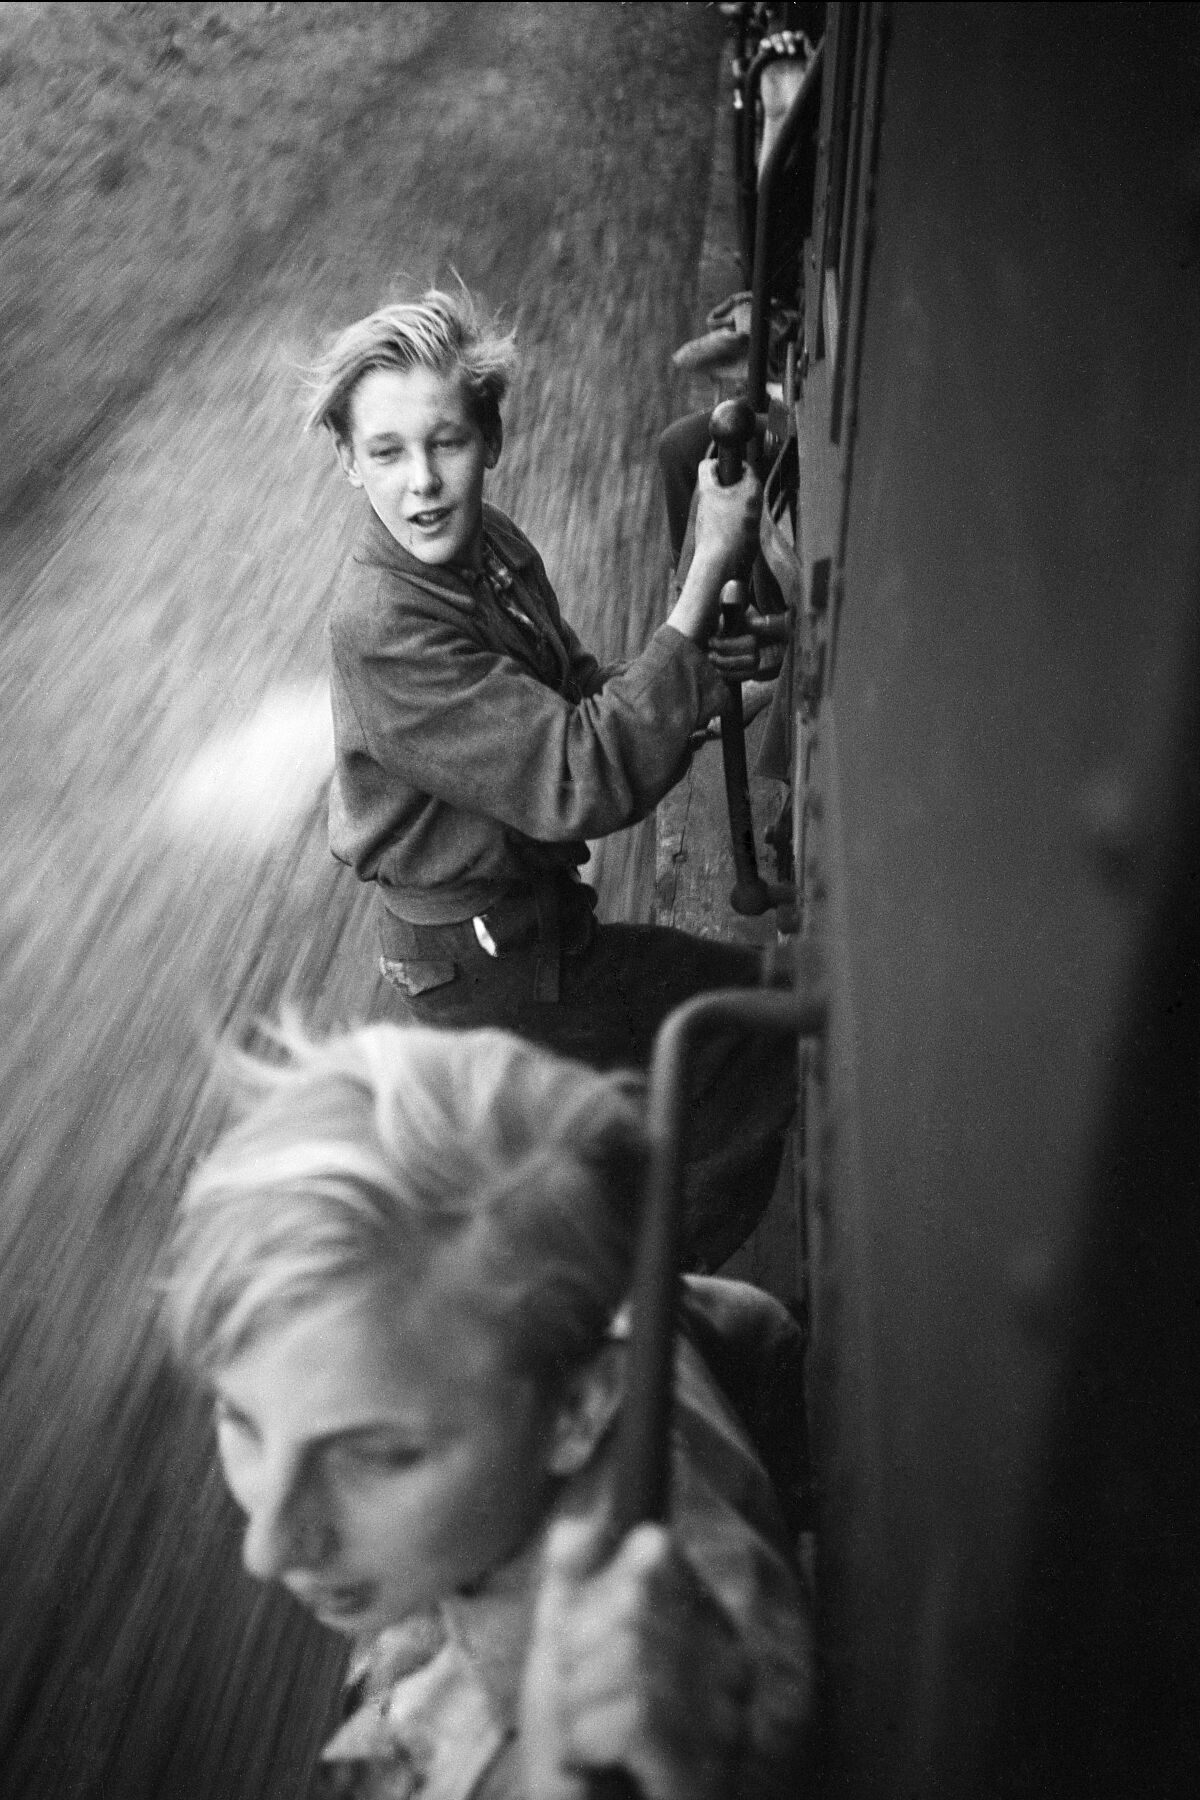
{"points": [[478, 744], [401, 1273]]}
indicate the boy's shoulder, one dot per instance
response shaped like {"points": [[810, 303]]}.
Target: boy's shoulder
{"points": [[517, 550], [380, 583]]}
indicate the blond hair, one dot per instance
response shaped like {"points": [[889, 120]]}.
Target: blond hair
{"points": [[400, 1154], [447, 333]]}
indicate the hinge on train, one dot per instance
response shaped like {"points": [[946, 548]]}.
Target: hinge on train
{"points": [[810, 672]]}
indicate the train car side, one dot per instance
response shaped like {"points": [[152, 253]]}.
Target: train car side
{"points": [[994, 519], [996, 794]]}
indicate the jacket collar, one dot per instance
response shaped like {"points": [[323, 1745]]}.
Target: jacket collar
{"points": [[377, 548]]}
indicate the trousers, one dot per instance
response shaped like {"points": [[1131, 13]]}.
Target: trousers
{"points": [[614, 993]]}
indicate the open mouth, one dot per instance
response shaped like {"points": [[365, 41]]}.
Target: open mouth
{"points": [[431, 519], [336, 1602]]}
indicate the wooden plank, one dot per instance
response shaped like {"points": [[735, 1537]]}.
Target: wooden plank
{"points": [[694, 867]]}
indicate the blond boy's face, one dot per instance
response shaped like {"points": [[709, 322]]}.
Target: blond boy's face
{"points": [[420, 457], [383, 1455]]}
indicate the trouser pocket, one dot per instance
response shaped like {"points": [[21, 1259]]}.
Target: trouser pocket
{"points": [[413, 975]]}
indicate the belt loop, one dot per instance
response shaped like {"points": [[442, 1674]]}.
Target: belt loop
{"points": [[549, 959]]}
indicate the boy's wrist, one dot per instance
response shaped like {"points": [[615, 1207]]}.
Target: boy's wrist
{"points": [[707, 564], [695, 599]]}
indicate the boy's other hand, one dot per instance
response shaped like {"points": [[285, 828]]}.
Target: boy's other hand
{"points": [[632, 1665], [755, 655]]}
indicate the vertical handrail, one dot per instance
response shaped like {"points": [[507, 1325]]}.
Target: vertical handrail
{"points": [[642, 1485], [733, 426], [748, 159], [642, 1488], [745, 220], [768, 180]]}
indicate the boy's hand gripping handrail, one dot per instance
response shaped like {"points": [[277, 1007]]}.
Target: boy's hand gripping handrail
{"points": [[733, 425]]}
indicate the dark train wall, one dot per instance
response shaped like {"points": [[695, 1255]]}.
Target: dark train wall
{"points": [[1002, 775]]}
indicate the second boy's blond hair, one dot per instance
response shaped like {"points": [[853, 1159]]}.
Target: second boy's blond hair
{"points": [[391, 1156]]}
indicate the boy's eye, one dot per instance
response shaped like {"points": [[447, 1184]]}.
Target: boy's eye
{"points": [[228, 1420], [363, 1455]]}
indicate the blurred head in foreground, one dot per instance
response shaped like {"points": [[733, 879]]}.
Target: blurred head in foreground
{"points": [[396, 1273]]}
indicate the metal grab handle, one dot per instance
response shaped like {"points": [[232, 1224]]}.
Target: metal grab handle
{"points": [[743, 184], [804, 101], [733, 425], [642, 1490]]}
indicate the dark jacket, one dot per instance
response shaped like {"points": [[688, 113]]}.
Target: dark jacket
{"points": [[474, 751]]}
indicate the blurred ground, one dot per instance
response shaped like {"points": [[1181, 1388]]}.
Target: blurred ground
{"points": [[148, 153], [165, 874]]}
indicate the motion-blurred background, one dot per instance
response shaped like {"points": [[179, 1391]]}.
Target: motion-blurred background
{"points": [[191, 196]]}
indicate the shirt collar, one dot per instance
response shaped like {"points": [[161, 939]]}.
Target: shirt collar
{"points": [[434, 1730], [435, 1699]]}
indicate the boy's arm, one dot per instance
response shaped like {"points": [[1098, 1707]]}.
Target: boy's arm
{"points": [[590, 674], [725, 542], [726, 522], [451, 718]]}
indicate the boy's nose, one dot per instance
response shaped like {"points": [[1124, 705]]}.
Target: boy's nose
{"points": [[423, 477], [287, 1529]]}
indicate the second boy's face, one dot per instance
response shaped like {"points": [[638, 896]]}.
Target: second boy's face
{"points": [[383, 1455], [420, 458]]}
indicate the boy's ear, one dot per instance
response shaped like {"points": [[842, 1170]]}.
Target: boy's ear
{"points": [[587, 1406], [493, 444], [345, 453]]}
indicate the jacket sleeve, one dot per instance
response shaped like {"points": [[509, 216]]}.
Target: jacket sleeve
{"points": [[590, 674], [472, 727]]}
